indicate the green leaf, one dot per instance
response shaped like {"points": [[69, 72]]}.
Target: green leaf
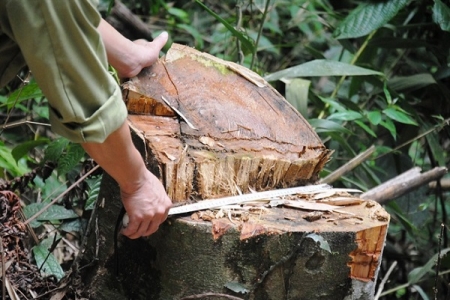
{"points": [[21, 150], [389, 125], [399, 116], [7, 162], [70, 159], [321, 67], [264, 44], [348, 115], [246, 43], [367, 17], [406, 223], [54, 212], [336, 105], [29, 91], [418, 273], [441, 15], [55, 149], [374, 117], [179, 13], [195, 34], [436, 146], [387, 94], [47, 262], [411, 83], [93, 192], [323, 244], [343, 142], [366, 128], [71, 226], [321, 125], [297, 90]]}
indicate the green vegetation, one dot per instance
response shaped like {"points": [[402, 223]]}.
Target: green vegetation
{"points": [[362, 72]]}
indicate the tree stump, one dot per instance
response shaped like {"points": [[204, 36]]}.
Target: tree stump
{"points": [[210, 128]]}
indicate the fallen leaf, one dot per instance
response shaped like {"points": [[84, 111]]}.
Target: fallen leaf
{"points": [[219, 228]]}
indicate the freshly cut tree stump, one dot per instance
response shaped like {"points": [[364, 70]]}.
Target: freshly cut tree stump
{"points": [[210, 128], [233, 129]]}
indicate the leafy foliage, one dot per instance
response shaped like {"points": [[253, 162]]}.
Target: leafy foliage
{"points": [[367, 17], [362, 73], [46, 261]]}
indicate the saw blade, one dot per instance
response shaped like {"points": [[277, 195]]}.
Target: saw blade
{"points": [[218, 202], [239, 199]]}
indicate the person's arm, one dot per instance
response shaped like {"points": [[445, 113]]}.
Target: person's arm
{"points": [[143, 195], [127, 57]]}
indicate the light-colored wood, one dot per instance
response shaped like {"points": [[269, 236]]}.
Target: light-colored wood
{"points": [[403, 184], [233, 130]]}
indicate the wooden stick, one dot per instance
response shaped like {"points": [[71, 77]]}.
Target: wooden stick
{"points": [[61, 195], [357, 160], [385, 279], [124, 15], [445, 184], [405, 176], [396, 187]]}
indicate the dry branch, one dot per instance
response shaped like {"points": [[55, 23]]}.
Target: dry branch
{"points": [[356, 161], [133, 24], [403, 184], [444, 182], [405, 176]]}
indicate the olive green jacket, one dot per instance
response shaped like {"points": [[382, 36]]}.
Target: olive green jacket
{"points": [[59, 42]]}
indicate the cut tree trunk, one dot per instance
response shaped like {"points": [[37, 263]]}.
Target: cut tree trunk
{"points": [[209, 128], [233, 130]]}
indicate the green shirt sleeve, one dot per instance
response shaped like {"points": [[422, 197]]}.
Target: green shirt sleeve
{"points": [[60, 43]]}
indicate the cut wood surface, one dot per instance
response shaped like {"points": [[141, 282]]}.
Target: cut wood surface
{"points": [[230, 126]]}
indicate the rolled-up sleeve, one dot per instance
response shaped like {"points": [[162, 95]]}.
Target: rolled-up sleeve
{"points": [[61, 45]]}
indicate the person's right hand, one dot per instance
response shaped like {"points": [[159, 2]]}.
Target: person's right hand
{"points": [[147, 206]]}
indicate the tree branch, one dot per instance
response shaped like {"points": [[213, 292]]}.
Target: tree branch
{"points": [[403, 184]]}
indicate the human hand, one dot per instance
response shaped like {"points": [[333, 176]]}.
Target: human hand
{"points": [[147, 207], [145, 54], [127, 57]]}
